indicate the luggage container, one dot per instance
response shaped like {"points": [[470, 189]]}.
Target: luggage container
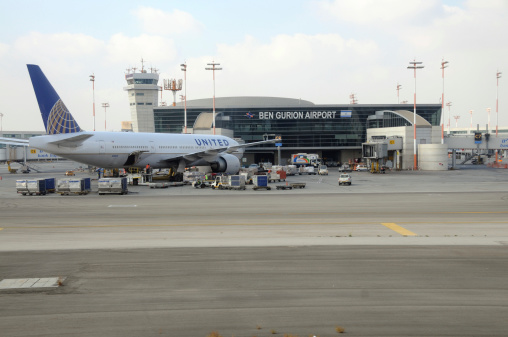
{"points": [[67, 186], [237, 182], [50, 185], [88, 184], [22, 186], [113, 186], [260, 181], [36, 186]]}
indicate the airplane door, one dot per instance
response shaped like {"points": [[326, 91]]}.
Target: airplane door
{"points": [[153, 147], [102, 147]]}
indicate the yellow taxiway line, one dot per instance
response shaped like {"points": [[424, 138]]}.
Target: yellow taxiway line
{"points": [[399, 229]]}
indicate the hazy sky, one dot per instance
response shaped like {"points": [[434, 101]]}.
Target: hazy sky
{"points": [[317, 50]]}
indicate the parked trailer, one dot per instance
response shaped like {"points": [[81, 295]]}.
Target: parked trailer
{"points": [[113, 186], [36, 186], [277, 174], [22, 186], [50, 185], [297, 185], [68, 186], [260, 181], [307, 170], [236, 182]]}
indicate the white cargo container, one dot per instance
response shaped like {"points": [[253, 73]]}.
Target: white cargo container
{"points": [[306, 170], [113, 186], [22, 186], [68, 186]]}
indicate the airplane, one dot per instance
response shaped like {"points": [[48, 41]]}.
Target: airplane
{"points": [[125, 149]]}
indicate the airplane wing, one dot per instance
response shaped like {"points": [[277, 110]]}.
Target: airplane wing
{"points": [[210, 154], [14, 141]]}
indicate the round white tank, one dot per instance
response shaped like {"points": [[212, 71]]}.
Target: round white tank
{"points": [[433, 157]]}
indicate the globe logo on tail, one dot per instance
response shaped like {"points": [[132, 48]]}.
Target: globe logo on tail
{"points": [[60, 120]]}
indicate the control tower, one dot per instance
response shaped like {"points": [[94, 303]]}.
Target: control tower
{"points": [[142, 90]]}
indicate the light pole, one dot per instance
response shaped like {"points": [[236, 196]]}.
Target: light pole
{"points": [[105, 106], [471, 126], [414, 65], [213, 68], [456, 120], [398, 89], [449, 104], [184, 69], [488, 120], [498, 76], [444, 64], [92, 78]]}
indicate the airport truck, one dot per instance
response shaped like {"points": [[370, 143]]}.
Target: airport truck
{"points": [[306, 159]]}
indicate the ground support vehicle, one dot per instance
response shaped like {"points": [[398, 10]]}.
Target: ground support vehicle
{"points": [[201, 184], [68, 186], [113, 186], [11, 170], [344, 179], [248, 173], [323, 170], [277, 175], [220, 182], [307, 170], [297, 185], [159, 185], [291, 170], [261, 181], [306, 159], [284, 187], [345, 168], [361, 168], [236, 182]]}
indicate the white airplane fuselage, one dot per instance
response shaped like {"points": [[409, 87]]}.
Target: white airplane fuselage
{"points": [[112, 149]]}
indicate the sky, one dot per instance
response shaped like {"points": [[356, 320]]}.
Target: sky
{"points": [[317, 50]]}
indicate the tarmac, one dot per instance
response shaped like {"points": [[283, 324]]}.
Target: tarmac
{"points": [[408, 253]]}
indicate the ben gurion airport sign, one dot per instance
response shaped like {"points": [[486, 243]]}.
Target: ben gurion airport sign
{"points": [[303, 114]]}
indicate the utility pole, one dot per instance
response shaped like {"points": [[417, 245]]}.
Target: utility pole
{"points": [[415, 65], [213, 68], [398, 89], [471, 126], [444, 64], [449, 104], [184, 69], [92, 78], [498, 76], [105, 106], [456, 119]]}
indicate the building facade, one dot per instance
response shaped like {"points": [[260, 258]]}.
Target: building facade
{"points": [[335, 131]]}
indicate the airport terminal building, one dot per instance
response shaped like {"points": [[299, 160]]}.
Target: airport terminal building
{"points": [[334, 131]]}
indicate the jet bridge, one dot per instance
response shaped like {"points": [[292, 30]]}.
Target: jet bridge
{"points": [[381, 152]]}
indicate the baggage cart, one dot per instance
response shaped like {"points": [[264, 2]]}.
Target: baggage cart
{"points": [[113, 186], [236, 182], [22, 186], [68, 186], [260, 181], [36, 186]]}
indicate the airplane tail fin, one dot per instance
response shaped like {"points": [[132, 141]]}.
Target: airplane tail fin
{"points": [[56, 117]]}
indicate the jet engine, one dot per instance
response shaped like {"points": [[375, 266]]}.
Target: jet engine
{"points": [[226, 163]]}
